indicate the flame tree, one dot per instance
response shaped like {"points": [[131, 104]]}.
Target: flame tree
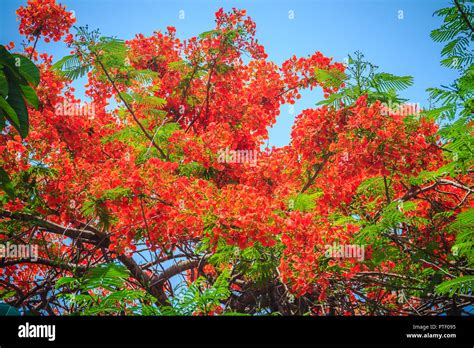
{"points": [[123, 192]]}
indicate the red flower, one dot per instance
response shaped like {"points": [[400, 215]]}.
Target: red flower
{"points": [[44, 17]]}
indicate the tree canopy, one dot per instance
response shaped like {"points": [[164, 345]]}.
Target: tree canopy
{"points": [[134, 210]]}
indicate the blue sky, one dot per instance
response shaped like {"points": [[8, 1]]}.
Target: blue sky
{"points": [[393, 34]]}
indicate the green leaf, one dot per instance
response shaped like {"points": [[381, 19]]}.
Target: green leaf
{"points": [[7, 293], [71, 67], [235, 314], [144, 76], [5, 183], [30, 95], [442, 34], [106, 276], [459, 285], [151, 101], [209, 33], [386, 82], [27, 69], [178, 65], [304, 202], [331, 77], [9, 66], [64, 62], [114, 46], [436, 113], [65, 281], [15, 99], [3, 83], [9, 113], [123, 295]]}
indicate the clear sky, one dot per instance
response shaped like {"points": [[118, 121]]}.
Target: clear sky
{"points": [[393, 34]]}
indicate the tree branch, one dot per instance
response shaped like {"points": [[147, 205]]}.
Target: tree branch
{"points": [[83, 235], [464, 16]]}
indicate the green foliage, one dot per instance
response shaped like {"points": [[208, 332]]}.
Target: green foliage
{"points": [[192, 169], [97, 207], [457, 98], [91, 49], [362, 78], [209, 34], [455, 106], [108, 276], [5, 183], [373, 186], [457, 34], [103, 54], [84, 294], [199, 297], [305, 202], [5, 294], [385, 82], [459, 285], [257, 263], [71, 67], [18, 76], [145, 100], [463, 227], [77, 65], [377, 232], [26, 186], [455, 103], [331, 77], [130, 135]]}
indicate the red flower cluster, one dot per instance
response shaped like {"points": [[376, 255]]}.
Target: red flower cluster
{"points": [[44, 17]]}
